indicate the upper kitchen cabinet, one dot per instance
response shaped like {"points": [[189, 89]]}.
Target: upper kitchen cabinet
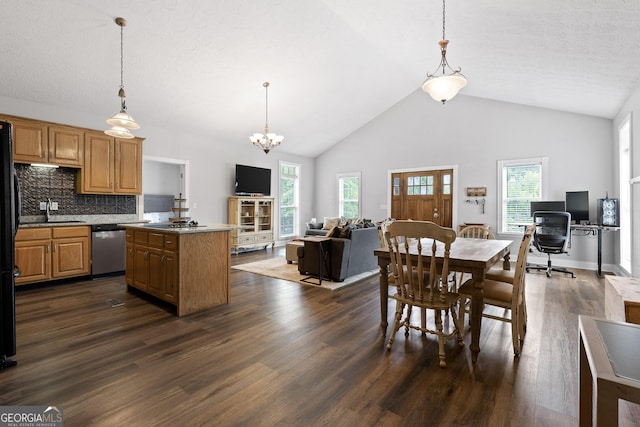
{"points": [[41, 142], [111, 165]]}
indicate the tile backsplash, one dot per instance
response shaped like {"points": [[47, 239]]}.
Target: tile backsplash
{"points": [[59, 184]]}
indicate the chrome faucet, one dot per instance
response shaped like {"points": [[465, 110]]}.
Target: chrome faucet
{"points": [[48, 209]]}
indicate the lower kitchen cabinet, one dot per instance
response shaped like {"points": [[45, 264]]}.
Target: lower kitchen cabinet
{"points": [[189, 270], [50, 253], [153, 264]]}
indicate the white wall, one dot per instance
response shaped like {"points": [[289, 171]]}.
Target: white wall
{"points": [[160, 178], [475, 133], [632, 106], [212, 162]]}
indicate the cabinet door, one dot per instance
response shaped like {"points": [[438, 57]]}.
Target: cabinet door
{"points": [[128, 166], [129, 261], [170, 273], [155, 281], [97, 173], [70, 257], [29, 141], [66, 146], [140, 267], [34, 260]]}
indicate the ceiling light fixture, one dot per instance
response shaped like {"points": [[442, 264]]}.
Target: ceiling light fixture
{"points": [[444, 87], [121, 121], [266, 141]]}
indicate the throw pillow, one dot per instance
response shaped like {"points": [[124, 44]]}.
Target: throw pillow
{"points": [[330, 223], [331, 231], [344, 232]]}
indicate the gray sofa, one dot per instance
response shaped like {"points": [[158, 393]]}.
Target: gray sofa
{"points": [[347, 256], [315, 229]]}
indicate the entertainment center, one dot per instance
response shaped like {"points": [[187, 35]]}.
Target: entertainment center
{"points": [[251, 209]]}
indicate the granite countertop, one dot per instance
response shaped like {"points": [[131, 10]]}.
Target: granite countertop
{"points": [[182, 230], [76, 220]]}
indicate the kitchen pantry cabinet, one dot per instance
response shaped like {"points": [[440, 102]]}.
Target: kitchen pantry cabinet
{"points": [[49, 253], [255, 216], [152, 263], [111, 165], [41, 142]]}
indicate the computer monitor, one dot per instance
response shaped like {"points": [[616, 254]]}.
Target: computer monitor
{"points": [[578, 205], [547, 206]]}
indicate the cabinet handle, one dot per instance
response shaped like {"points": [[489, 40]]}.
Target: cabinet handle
{"points": [[44, 154], [54, 247], [164, 258], [47, 249], [146, 254]]}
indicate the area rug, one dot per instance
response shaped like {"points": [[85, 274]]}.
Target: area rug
{"points": [[278, 268]]}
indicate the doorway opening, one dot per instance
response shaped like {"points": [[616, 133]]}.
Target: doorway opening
{"points": [[163, 180]]}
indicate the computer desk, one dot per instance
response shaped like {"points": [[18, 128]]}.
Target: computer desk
{"points": [[596, 230], [586, 229]]}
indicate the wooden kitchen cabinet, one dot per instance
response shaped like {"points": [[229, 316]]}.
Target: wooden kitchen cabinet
{"points": [[111, 165], [50, 253], [66, 146], [190, 269], [36, 141], [155, 264], [33, 255]]}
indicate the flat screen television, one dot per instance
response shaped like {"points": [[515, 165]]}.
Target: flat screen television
{"points": [[578, 205], [555, 206], [251, 180]]}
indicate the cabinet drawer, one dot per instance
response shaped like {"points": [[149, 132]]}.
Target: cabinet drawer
{"points": [[76, 231], [246, 239], [156, 240], [264, 237], [140, 236], [33, 233], [171, 241]]}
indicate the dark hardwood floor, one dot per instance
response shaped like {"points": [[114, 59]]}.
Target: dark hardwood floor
{"points": [[281, 353]]}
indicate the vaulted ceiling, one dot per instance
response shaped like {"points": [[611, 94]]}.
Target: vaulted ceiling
{"points": [[333, 65]]}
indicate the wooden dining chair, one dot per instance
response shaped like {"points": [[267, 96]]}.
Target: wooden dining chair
{"points": [[471, 232], [418, 279], [510, 296]]}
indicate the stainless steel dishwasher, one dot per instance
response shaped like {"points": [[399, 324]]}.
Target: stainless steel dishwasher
{"points": [[107, 249]]}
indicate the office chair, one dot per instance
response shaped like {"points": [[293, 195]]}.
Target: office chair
{"points": [[552, 235]]}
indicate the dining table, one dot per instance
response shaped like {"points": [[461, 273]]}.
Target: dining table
{"points": [[467, 255]]}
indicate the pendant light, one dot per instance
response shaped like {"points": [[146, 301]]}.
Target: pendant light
{"points": [[444, 87], [122, 121], [266, 141]]}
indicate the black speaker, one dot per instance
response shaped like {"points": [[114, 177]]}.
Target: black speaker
{"points": [[608, 212]]}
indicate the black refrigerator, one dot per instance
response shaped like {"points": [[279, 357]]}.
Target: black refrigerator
{"points": [[9, 221]]}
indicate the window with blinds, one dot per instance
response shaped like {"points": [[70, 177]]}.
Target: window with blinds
{"points": [[521, 183]]}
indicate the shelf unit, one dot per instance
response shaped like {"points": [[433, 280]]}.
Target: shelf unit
{"points": [[254, 215]]}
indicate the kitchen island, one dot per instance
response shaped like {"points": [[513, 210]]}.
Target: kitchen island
{"points": [[188, 267]]}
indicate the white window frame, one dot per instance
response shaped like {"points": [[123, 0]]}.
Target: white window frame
{"points": [[625, 201], [502, 188], [339, 180], [296, 197]]}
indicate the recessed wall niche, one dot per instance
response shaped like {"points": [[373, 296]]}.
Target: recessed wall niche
{"points": [[37, 184]]}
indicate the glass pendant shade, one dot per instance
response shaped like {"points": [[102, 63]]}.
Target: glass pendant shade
{"points": [[119, 132], [443, 88], [123, 120]]}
